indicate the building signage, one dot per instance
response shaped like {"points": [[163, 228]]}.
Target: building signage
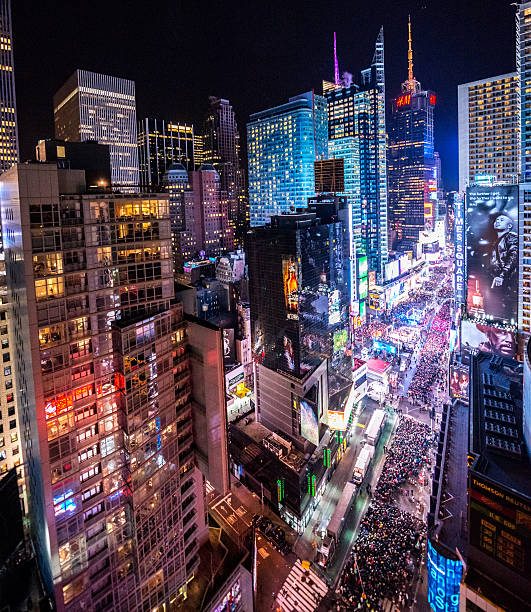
{"points": [[444, 579], [459, 249], [403, 101], [492, 252]]}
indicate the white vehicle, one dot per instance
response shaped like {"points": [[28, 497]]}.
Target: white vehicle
{"points": [[362, 463], [336, 524], [375, 426]]}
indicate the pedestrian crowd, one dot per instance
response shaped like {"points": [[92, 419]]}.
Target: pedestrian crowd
{"points": [[388, 549]]}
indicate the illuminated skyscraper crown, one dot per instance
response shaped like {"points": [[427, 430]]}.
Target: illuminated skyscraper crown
{"points": [[411, 85]]}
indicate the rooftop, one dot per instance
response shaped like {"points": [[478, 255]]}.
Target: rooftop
{"points": [[495, 436]]}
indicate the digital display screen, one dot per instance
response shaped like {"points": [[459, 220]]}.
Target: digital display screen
{"points": [[487, 338], [444, 579], [309, 422], [492, 252], [459, 380]]}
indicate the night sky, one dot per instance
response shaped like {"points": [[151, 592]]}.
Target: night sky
{"points": [[255, 54]]}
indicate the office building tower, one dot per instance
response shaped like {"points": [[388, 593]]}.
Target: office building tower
{"points": [[92, 106], [299, 298], [175, 183], [329, 176], [10, 424], [523, 70], [211, 226], [499, 501], [524, 262], [412, 166], [9, 151], [160, 144], [358, 112], [489, 130], [116, 503], [283, 143], [221, 148]]}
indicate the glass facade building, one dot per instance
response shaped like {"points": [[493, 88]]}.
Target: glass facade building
{"points": [[9, 152], [359, 112], [160, 144], [412, 167], [283, 144], [489, 129], [92, 106], [104, 387]]}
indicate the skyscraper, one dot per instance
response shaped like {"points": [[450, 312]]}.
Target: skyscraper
{"points": [[523, 68], [412, 167], [160, 144], [299, 296], [92, 106], [358, 112], [221, 148], [115, 499], [9, 152], [489, 129], [283, 143]]}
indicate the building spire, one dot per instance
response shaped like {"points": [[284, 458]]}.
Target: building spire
{"points": [[336, 63], [411, 85], [409, 51]]}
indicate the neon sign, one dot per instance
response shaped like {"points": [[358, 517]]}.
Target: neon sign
{"points": [[403, 101], [444, 579], [432, 99]]}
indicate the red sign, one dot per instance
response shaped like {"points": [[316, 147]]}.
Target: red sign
{"points": [[432, 99], [403, 101]]}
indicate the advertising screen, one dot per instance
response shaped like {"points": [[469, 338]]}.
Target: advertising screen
{"points": [[363, 267], [444, 579], [340, 340], [487, 338], [372, 279], [392, 270], [492, 252], [363, 288], [309, 421], [459, 380], [334, 313], [459, 250], [228, 345], [291, 284]]}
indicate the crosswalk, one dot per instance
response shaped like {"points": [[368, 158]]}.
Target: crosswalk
{"points": [[302, 591]]}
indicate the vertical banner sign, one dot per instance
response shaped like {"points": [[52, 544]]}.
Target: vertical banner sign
{"points": [[459, 248], [444, 581]]}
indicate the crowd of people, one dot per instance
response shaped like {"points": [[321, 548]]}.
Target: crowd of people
{"points": [[389, 545], [430, 372]]}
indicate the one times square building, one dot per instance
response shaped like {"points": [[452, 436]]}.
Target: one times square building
{"points": [[411, 164]]}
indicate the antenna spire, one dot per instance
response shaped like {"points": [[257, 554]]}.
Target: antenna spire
{"points": [[336, 64], [409, 51]]}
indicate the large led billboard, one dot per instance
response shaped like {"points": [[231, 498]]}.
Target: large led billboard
{"points": [[309, 421], [444, 580], [492, 252], [459, 250], [459, 380], [487, 338], [291, 285]]}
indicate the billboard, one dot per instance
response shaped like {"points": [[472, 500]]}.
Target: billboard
{"points": [[444, 580], [290, 277], [459, 380], [363, 267], [492, 252], [228, 345], [487, 338], [459, 250], [309, 421], [334, 307]]}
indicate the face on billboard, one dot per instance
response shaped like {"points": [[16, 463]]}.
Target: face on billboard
{"points": [[492, 252], [309, 422], [288, 353], [459, 383], [487, 338]]}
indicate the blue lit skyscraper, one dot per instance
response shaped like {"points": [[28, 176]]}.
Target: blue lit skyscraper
{"points": [[412, 163], [283, 143], [358, 113]]}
